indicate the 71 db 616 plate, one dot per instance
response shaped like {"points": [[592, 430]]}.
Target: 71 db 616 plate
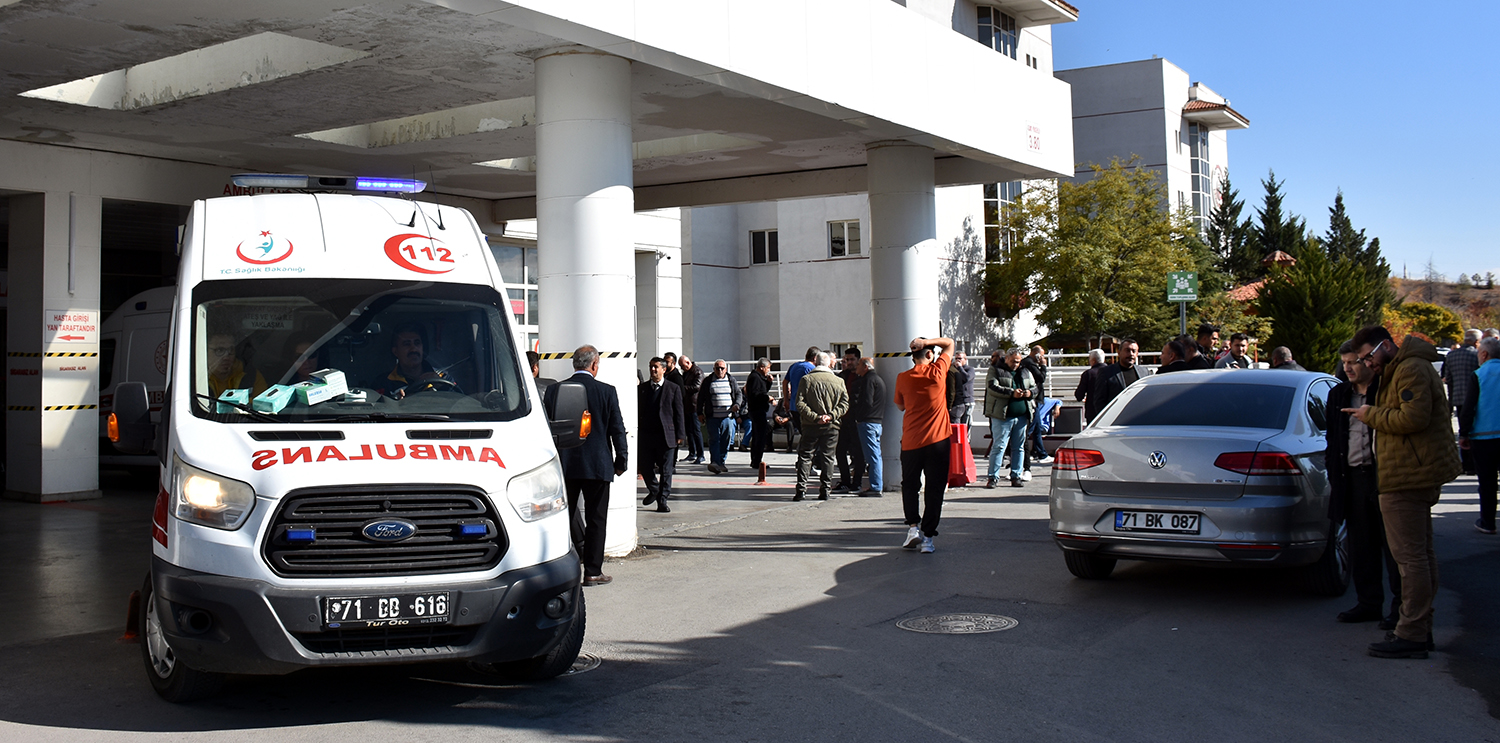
{"points": [[401, 610]]}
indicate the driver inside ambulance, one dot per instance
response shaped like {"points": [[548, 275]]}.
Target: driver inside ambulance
{"points": [[412, 372], [225, 371]]}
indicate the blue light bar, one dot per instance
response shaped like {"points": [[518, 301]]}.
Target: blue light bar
{"points": [[475, 530], [398, 185], [301, 535]]}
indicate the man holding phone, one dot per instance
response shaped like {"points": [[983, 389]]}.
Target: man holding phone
{"points": [[1009, 402], [1415, 456]]}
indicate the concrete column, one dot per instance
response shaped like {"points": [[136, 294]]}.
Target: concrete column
{"points": [[585, 204], [52, 416], [903, 269]]}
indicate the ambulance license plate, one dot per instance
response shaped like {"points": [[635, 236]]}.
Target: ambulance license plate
{"points": [[401, 610]]}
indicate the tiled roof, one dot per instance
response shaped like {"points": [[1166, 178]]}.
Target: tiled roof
{"points": [[1248, 292]]}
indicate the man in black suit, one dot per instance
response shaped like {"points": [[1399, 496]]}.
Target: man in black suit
{"points": [[659, 410], [589, 469], [1113, 379]]}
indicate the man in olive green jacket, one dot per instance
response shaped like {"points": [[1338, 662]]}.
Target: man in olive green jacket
{"points": [[1009, 402], [822, 399], [1415, 455]]}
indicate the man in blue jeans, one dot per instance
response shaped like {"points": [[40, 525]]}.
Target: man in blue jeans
{"points": [[869, 421], [719, 401], [1009, 401]]}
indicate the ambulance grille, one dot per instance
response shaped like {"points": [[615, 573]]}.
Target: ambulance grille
{"points": [[319, 533]]}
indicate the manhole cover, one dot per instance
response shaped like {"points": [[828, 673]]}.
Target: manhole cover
{"points": [[586, 662], [958, 624]]}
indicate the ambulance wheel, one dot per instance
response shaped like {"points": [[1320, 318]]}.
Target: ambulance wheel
{"points": [[171, 678], [555, 662]]}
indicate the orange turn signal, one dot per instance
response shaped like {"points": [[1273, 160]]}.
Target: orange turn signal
{"points": [[586, 426], [113, 427]]}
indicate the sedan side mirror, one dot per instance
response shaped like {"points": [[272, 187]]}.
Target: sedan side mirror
{"points": [[569, 419], [130, 427]]}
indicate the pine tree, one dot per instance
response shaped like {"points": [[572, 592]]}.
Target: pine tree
{"points": [[1275, 231], [1229, 238], [1342, 240], [1315, 305]]}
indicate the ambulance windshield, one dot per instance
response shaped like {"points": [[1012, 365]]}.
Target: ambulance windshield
{"points": [[301, 350]]}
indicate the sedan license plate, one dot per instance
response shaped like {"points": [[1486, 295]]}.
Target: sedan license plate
{"points": [[386, 611], [1157, 521]]}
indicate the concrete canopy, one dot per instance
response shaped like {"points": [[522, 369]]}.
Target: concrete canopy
{"points": [[429, 89]]}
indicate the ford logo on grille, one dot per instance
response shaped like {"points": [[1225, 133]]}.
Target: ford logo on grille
{"points": [[389, 530], [1157, 460]]}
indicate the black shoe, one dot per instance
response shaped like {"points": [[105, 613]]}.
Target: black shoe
{"points": [[1015, 482], [1389, 623], [1396, 647], [648, 500], [1481, 528], [840, 487], [822, 496], [796, 497], [869, 493], [1359, 614], [662, 508]]}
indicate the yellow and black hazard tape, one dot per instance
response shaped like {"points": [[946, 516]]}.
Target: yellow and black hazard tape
{"points": [[892, 355], [20, 407], [68, 407], [602, 355], [23, 354], [52, 354], [49, 354]]}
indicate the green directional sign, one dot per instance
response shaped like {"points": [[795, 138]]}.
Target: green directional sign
{"points": [[1182, 286]]}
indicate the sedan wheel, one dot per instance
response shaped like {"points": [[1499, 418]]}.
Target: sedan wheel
{"points": [[1329, 576], [1088, 566]]}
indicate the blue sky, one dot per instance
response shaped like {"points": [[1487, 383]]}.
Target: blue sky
{"points": [[1393, 103]]}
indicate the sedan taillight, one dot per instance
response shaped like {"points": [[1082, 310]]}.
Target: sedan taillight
{"points": [[1077, 459], [1258, 463]]}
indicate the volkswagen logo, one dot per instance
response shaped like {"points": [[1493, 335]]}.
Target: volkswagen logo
{"points": [[1157, 460], [389, 530]]}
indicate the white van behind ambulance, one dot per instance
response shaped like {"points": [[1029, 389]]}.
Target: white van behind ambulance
{"points": [[133, 348], [355, 465]]}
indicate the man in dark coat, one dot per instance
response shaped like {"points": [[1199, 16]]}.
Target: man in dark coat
{"points": [[1113, 379], [1084, 392], [851, 460], [692, 378], [589, 469], [660, 421], [1355, 495], [758, 398]]}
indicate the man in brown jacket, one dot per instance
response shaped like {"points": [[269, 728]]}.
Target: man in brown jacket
{"points": [[1415, 455]]}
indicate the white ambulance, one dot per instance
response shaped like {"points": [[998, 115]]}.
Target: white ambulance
{"points": [[355, 464]]}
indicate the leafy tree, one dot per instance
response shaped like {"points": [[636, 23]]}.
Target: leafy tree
{"points": [[1276, 231], [1230, 314], [1434, 322], [1228, 235], [1315, 305], [1093, 257]]}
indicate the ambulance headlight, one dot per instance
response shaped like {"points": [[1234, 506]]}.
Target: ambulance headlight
{"points": [[538, 493], [210, 500]]}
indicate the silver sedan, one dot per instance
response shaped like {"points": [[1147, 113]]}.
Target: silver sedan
{"points": [[1212, 466]]}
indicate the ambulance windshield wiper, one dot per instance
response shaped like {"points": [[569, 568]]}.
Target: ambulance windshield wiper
{"points": [[256, 414], [384, 417]]}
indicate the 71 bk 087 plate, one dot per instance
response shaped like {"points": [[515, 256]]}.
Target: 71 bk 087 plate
{"points": [[1158, 521], [401, 610]]}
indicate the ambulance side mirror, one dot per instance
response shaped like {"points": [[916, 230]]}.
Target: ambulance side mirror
{"points": [[569, 418], [130, 428]]}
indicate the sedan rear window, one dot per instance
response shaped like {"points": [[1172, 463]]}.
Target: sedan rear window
{"points": [[1231, 405]]}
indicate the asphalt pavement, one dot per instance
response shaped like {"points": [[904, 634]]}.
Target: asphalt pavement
{"points": [[747, 617]]}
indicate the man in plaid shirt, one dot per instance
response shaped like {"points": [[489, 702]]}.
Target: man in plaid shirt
{"points": [[1458, 373]]}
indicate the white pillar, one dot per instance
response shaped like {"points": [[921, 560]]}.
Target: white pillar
{"points": [[585, 204], [903, 269], [52, 416]]}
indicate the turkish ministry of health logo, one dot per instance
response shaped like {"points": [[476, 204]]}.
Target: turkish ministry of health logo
{"points": [[264, 249]]}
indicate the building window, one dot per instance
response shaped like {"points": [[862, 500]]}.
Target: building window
{"points": [[763, 247], [518, 273], [997, 31], [998, 198], [767, 352], [843, 238], [1203, 185]]}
